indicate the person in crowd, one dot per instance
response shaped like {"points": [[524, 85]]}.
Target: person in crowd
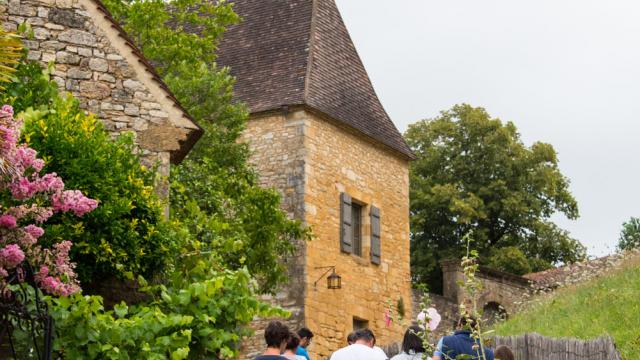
{"points": [[412, 348], [276, 335], [503, 352], [351, 338], [292, 347], [305, 340], [378, 349], [361, 349], [461, 343]]}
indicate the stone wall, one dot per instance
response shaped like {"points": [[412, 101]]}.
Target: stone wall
{"points": [[311, 161], [279, 155], [507, 290], [340, 160], [93, 61], [579, 272]]}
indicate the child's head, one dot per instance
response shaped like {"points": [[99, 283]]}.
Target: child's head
{"points": [[503, 353]]}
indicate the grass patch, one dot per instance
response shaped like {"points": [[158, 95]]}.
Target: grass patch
{"points": [[606, 305]]}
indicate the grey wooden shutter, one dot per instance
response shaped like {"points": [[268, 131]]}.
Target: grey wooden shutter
{"points": [[346, 224], [375, 235]]}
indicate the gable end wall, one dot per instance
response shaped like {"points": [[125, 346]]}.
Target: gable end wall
{"points": [[100, 70]]}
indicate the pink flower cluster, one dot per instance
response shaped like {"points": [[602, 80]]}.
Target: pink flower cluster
{"points": [[50, 280], [73, 200], [39, 197], [11, 256], [8, 221]]}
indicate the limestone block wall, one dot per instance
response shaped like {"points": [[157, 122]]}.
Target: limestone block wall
{"points": [[507, 290], [311, 160], [279, 155], [340, 160], [98, 68]]}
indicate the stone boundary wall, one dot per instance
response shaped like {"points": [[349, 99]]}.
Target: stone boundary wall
{"points": [[579, 272]]}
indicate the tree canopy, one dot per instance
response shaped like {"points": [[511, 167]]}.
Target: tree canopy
{"points": [[473, 173], [630, 234], [214, 192]]}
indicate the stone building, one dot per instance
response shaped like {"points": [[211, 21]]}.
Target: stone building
{"points": [[95, 60], [320, 135]]}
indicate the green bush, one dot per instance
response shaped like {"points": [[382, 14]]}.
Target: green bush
{"points": [[199, 313], [127, 232], [510, 259], [84, 330]]}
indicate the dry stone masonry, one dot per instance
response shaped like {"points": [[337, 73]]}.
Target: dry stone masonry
{"points": [[93, 60], [312, 160]]}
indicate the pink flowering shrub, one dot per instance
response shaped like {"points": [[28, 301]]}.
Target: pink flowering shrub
{"points": [[30, 199]]}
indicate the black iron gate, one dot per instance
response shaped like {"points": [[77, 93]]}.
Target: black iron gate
{"points": [[26, 328]]}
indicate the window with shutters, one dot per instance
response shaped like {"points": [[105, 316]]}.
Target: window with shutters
{"points": [[352, 232]]}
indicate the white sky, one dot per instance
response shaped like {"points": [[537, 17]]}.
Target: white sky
{"points": [[566, 72]]}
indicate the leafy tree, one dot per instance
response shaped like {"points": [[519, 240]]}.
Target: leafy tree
{"points": [[214, 191], [474, 173], [630, 235], [510, 259]]}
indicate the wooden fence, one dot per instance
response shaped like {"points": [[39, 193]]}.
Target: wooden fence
{"points": [[538, 347]]}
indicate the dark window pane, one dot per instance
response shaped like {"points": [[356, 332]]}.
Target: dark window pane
{"points": [[356, 213]]}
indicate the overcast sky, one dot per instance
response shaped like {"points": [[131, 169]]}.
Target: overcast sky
{"points": [[566, 72]]}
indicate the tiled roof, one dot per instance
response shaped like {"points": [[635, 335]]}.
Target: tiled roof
{"points": [[299, 52], [195, 131]]}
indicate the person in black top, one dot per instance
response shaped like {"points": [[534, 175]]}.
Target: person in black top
{"points": [[276, 335]]}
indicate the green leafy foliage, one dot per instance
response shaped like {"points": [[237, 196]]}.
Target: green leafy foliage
{"points": [[32, 88], [510, 259], [127, 232], [630, 235], [84, 330], [195, 315], [214, 192], [218, 299], [474, 173], [608, 305], [176, 32]]}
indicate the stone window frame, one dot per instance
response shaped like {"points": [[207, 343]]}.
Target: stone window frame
{"points": [[359, 323]]}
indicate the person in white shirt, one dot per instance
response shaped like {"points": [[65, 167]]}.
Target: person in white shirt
{"points": [[361, 349]]}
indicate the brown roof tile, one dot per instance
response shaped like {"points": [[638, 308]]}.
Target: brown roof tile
{"points": [[299, 52]]}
